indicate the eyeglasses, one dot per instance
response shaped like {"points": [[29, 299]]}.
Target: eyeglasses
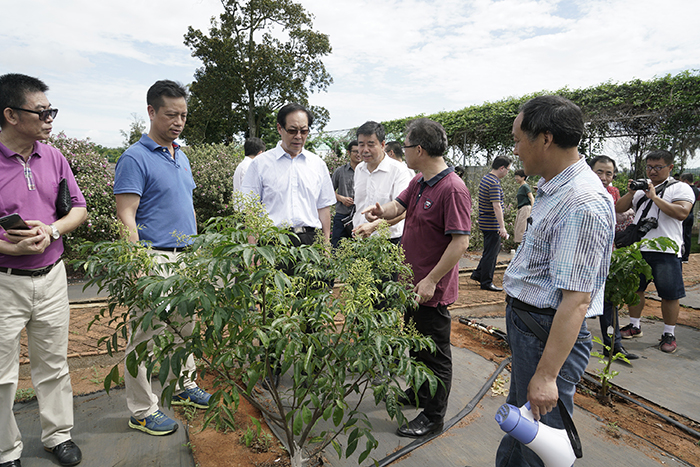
{"points": [[43, 114], [409, 146], [655, 168], [296, 131]]}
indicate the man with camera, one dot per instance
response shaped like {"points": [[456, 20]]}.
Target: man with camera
{"points": [[666, 204]]}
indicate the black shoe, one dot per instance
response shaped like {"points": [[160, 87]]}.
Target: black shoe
{"points": [[67, 453], [474, 278], [419, 427], [267, 383], [14, 463], [624, 352], [491, 288]]}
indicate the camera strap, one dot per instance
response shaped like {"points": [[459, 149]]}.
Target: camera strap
{"points": [[660, 194], [566, 419]]}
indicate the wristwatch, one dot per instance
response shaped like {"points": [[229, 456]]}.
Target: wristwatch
{"points": [[55, 234]]}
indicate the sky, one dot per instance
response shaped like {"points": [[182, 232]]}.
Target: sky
{"points": [[390, 59]]}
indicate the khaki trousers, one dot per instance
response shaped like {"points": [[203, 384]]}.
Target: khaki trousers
{"points": [[140, 397], [39, 304]]}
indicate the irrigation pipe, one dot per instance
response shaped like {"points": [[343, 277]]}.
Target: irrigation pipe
{"points": [[666, 418], [450, 423]]}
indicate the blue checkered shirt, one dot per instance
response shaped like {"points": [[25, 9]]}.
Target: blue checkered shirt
{"points": [[568, 244]]}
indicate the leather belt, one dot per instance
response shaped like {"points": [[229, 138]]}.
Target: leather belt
{"points": [[172, 249], [298, 230], [515, 303], [29, 272]]}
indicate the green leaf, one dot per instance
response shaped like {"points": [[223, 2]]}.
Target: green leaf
{"points": [[298, 424]]}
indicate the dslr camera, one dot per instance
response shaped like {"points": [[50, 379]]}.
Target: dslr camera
{"points": [[647, 224], [641, 184]]}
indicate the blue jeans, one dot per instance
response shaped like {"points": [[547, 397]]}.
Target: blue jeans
{"points": [[668, 275], [527, 350]]}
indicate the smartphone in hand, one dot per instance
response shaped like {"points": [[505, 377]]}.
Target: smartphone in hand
{"points": [[13, 222]]}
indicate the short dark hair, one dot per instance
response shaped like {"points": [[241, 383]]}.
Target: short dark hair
{"points": [[253, 146], [291, 108], [371, 128], [351, 144], [501, 161], [604, 159], [556, 115], [396, 147], [687, 177], [520, 173], [429, 135], [14, 89], [660, 154], [164, 88]]}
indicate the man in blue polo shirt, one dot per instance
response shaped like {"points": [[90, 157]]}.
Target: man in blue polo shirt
{"points": [[153, 188]]}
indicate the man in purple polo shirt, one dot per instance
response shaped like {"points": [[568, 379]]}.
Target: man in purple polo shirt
{"points": [[436, 234], [33, 287]]}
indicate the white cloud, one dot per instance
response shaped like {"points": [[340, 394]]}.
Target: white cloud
{"points": [[391, 58]]}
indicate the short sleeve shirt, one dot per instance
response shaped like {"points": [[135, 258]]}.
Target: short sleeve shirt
{"points": [[165, 215], [568, 244], [38, 202], [490, 192], [522, 197], [668, 226], [344, 183], [292, 189], [435, 210]]}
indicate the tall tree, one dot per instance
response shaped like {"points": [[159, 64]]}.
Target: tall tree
{"points": [[259, 55], [136, 129]]}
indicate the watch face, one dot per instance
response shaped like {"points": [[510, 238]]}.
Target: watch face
{"points": [[54, 232]]}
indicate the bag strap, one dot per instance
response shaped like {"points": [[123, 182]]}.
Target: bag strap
{"points": [[569, 426], [660, 194]]}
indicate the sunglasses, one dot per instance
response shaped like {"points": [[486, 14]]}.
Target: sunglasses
{"points": [[296, 131], [43, 114]]}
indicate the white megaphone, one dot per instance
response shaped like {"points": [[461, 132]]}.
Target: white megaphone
{"points": [[551, 444]]}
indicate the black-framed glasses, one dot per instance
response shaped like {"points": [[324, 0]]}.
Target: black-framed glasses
{"points": [[296, 131], [656, 168], [409, 146], [43, 114]]}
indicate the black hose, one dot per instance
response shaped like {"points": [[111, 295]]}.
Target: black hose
{"points": [[450, 423], [666, 418]]}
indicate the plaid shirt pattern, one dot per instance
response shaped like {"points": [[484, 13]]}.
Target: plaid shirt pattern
{"points": [[568, 242]]}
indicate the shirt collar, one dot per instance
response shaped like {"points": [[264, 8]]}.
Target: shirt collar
{"points": [[562, 178], [153, 146], [433, 181], [8, 153], [280, 152]]}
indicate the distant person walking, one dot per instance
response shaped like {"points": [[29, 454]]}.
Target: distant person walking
{"points": [[525, 201], [491, 222]]}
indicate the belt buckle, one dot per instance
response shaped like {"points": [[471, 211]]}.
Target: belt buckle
{"points": [[298, 230]]}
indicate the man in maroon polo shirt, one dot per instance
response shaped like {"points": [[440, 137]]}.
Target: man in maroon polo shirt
{"points": [[436, 234], [33, 287]]}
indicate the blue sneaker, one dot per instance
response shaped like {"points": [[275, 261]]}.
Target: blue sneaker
{"points": [[156, 424], [195, 397]]}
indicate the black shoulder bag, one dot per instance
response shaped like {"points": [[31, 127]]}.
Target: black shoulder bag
{"points": [[569, 426]]}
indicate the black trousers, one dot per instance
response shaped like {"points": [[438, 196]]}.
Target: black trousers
{"points": [[434, 322], [487, 266], [687, 231]]}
